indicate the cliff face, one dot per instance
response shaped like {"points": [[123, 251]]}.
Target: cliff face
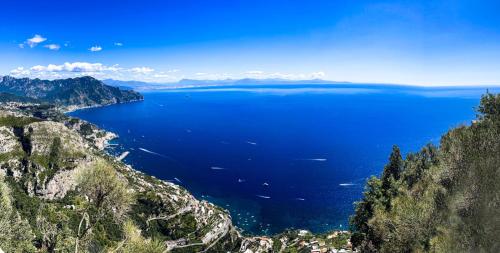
{"points": [[77, 92]]}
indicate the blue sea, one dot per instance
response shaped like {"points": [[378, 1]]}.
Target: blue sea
{"points": [[280, 156]]}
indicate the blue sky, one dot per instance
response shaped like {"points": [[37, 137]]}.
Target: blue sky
{"points": [[406, 42]]}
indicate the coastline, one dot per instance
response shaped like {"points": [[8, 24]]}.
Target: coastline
{"points": [[73, 108], [102, 142]]}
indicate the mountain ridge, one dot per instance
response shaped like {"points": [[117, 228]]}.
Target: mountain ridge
{"points": [[74, 92]]}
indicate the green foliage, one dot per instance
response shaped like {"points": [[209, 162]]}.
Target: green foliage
{"points": [[340, 241], [13, 121], [15, 232], [445, 200], [107, 192], [108, 202], [55, 150], [149, 204], [86, 129], [11, 155], [26, 205], [52, 229], [135, 242]]}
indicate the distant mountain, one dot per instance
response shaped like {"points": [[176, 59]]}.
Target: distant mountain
{"points": [[252, 81], [137, 85], [79, 92], [128, 85]]}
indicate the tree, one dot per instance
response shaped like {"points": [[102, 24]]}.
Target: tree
{"points": [[107, 196], [393, 168], [373, 197], [134, 242]]}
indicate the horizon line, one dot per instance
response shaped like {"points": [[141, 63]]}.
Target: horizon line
{"points": [[295, 81]]}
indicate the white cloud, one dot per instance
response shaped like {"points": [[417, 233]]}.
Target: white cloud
{"points": [[258, 74], [74, 67], [95, 49], [54, 47], [19, 71], [318, 75], [97, 70], [35, 40], [118, 44], [21, 45], [36, 68], [254, 72], [142, 70]]}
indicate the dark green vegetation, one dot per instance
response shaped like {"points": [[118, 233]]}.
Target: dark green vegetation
{"points": [[8, 97], [82, 91], [14, 121], [443, 199]]}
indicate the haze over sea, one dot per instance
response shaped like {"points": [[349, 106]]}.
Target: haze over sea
{"points": [[280, 156]]}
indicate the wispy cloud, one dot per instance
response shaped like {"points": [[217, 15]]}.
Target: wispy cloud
{"points": [[54, 47], [33, 42], [254, 72], [258, 74], [142, 70], [95, 48], [118, 44]]}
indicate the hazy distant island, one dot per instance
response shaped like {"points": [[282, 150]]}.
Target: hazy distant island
{"points": [[190, 83], [61, 192]]}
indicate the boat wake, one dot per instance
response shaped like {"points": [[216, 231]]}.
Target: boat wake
{"points": [[153, 153], [217, 168], [313, 159], [263, 197], [347, 184]]}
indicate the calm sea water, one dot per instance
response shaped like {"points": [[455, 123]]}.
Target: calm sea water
{"points": [[280, 157]]}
